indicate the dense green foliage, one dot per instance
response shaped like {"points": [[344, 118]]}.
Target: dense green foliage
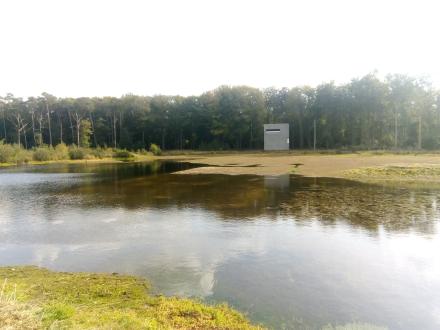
{"points": [[367, 113]]}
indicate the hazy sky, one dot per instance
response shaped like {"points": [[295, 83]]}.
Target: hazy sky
{"points": [[88, 48]]}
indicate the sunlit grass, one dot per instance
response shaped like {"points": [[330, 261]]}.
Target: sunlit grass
{"points": [[55, 300]]}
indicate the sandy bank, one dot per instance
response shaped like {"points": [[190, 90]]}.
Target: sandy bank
{"points": [[311, 165]]}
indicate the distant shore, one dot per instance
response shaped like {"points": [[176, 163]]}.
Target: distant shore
{"points": [[361, 166], [106, 160]]}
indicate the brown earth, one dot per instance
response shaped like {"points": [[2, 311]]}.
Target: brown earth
{"points": [[309, 165]]}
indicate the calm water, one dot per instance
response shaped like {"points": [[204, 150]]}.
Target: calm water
{"points": [[290, 252]]}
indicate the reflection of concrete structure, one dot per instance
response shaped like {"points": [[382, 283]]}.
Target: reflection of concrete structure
{"points": [[280, 182], [276, 137], [277, 189]]}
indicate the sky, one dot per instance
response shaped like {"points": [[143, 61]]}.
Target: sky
{"points": [[186, 47]]}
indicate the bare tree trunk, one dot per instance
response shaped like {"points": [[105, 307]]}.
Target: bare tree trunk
{"points": [[48, 122], [314, 134], [395, 129], [120, 127], [77, 135], [192, 135], [20, 127], [251, 140], [78, 127], [25, 139], [40, 125], [71, 126], [93, 129], [114, 129], [353, 129], [419, 144], [4, 123], [111, 132], [61, 127], [292, 136], [33, 128]]}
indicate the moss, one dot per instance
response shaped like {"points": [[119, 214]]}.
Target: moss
{"points": [[110, 301]]}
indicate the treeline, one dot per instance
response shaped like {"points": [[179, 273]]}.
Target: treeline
{"points": [[367, 113]]}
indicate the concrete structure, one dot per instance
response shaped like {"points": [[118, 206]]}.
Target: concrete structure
{"points": [[276, 137]]}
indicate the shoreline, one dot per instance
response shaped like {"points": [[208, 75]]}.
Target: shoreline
{"points": [[106, 160], [363, 167], [37, 298], [359, 166]]}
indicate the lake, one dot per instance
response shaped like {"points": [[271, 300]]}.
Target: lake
{"points": [[290, 252]]}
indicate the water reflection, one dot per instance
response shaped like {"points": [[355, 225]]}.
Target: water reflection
{"points": [[368, 206], [290, 251]]}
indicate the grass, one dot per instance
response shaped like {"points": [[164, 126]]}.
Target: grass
{"points": [[15, 315], [36, 298], [415, 172], [105, 160]]}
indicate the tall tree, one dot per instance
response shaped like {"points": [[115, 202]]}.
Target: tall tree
{"points": [[368, 112], [49, 101]]}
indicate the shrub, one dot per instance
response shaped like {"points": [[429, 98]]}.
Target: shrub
{"points": [[76, 153], [6, 153], [21, 155], [46, 153], [61, 151], [142, 152], [100, 152], [122, 154], [42, 154], [13, 153], [88, 154], [155, 149]]}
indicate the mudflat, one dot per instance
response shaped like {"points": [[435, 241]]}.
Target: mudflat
{"points": [[309, 165]]}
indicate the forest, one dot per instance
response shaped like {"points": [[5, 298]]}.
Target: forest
{"points": [[396, 112]]}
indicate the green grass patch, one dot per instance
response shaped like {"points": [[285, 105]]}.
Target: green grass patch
{"points": [[107, 301]]}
